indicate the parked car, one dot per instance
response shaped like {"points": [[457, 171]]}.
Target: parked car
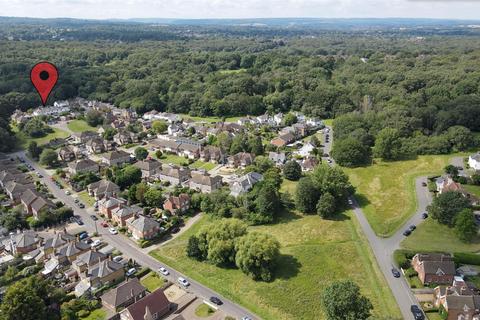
{"points": [[216, 301], [94, 217], [246, 318], [88, 241], [395, 273], [183, 282], [81, 205], [350, 202], [68, 193], [117, 258], [130, 272], [175, 229], [96, 243], [76, 200], [83, 235], [424, 215], [163, 271], [412, 227], [113, 231], [104, 224], [407, 232], [417, 312], [424, 184]]}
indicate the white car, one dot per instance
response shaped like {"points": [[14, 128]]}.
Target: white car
{"points": [[117, 258], [350, 202], [96, 243], [67, 193], [163, 271], [130, 272], [113, 231], [183, 281]]}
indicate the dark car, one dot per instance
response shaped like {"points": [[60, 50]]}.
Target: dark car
{"points": [[395, 273], [83, 235], [417, 312], [81, 205], [424, 184], [175, 229], [94, 217], [412, 227], [424, 215], [216, 300], [407, 232]]}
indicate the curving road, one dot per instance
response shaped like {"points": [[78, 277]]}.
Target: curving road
{"points": [[130, 249]]}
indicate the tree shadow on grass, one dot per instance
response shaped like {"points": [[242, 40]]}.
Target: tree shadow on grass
{"points": [[341, 216], [285, 216], [287, 267], [361, 200]]}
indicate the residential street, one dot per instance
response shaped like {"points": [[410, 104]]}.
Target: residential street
{"points": [[131, 250]]}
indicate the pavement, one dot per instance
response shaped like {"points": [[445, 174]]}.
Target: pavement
{"points": [[130, 249]]}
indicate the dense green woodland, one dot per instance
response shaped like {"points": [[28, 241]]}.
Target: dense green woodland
{"points": [[417, 86]]}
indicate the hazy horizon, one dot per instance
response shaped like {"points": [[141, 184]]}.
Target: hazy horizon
{"points": [[247, 9]]}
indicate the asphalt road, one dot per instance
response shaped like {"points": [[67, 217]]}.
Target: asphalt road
{"points": [[130, 249]]}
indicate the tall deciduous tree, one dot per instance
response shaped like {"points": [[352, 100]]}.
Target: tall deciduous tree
{"points": [[342, 300], [465, 226], [446, 206], [292, 170], [306, 195]]}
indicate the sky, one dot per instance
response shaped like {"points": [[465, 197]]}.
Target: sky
{"points": [[106, 9]]}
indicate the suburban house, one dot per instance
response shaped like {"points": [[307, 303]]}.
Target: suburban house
{"points": [[24, 242], [95, 145], [116, 157], [189, 148], [278, 118], [461, 300], [125, 137], [278, 158], [436, 268], [177, 204], [204, 182], [14, 190], [108, 204], [70, 251], [154, 306], [57, 241], [174, 174], [103, 188], [83, 166], [83, 137], [305, 150], [143, 227], [27, 198], [175, 129], [66, 154], [309, 163], [283, 140], [474, 161], [106, 271], [124, 295], [150, 168], [40, 204], [241, 159], [212, 154], [121, 214], [87, 260], [245, 183], [447, 184]]}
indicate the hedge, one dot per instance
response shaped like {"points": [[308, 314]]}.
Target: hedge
{"points": [[467, 258]]}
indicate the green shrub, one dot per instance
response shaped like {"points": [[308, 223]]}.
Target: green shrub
{"points": [[142, 272], [83, 313], [402, 258], [467, 258]]}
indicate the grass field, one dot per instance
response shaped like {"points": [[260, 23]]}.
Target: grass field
{"points": [[386, 190], [432, 236], [204, 311], [80, 126], [328, 122], [203, 165], [98, 314], [152, 281], [173, 159], [288, 186], [86, 198], [314, 253], [475, 190], [23, 140]]}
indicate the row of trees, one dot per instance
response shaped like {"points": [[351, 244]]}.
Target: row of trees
{"points": [[227, 243]]}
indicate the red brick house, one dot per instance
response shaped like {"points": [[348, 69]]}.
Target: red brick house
{"points": [[177, 204], [151, 307], [143, 227], [434, 268], [283, 140]]}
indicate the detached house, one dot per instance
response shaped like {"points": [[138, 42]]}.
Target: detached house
{"points": [[474, 161], [121, 214], [152, 307], [103, 188], [177, 204], [278, 158], [66, 154], [174, 174], [241, 159], [460, 300], [108, 204], [212, 154], [143, 227], [83, 166], [27, 198], [204, 182], [283, 140], [309, 163], [434, 268], [95, 145], [125, 137], [150, 168], [245, 183], [124, 295], [83, 137], [40, 204], [117, 157]]}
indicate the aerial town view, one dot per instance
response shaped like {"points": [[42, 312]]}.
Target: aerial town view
{"points": [[214, 160]]}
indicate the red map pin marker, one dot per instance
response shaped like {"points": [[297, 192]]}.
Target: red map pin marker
{"points": [[44, 76]]}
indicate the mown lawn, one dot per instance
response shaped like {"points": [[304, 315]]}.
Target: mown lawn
{"points": [[88, 200], [314, 253], [475, 190], [152, 281], [173, 159], [203, 165], [98, 314], [386, 190], [289, 186], [432, 236], [80, 126], [23, 140]]}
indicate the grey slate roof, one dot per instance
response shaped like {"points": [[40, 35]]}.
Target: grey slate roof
{"points": [[121, 294], [143, 223]]}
